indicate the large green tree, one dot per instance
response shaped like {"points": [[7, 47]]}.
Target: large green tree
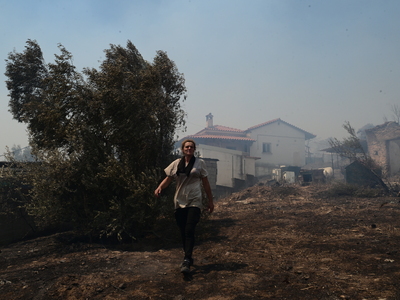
{"points": [[101, 135]]}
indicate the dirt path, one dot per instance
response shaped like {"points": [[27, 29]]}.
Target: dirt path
{"points": [[262, 243]]}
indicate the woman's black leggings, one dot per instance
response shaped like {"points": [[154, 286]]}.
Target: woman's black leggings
{"points": [[187, 219]]}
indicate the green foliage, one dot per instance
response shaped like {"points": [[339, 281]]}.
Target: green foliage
{"points": [[100, 138], [26, 72], [11, 192]]}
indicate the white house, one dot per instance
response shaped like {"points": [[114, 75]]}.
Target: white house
{"points": [[254, 152], [277, 143]]}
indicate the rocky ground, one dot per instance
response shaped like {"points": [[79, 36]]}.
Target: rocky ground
{"points": [[261, 243]]}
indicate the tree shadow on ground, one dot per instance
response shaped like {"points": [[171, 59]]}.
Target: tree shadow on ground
{"points": [[164, 236], [168, 236]]}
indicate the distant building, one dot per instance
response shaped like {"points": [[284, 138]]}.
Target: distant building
{"points": [[244, 155], [277, 143], [384, 146]]}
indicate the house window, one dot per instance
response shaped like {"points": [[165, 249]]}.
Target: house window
{"points": [[266, 147], [231, 148]]}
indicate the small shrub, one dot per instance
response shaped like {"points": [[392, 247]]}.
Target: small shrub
{"points": [[340, 189], [368, 193], [344, 189], [284, 191]]}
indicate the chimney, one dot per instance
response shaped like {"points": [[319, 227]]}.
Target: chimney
{"points": [[209, 120]]}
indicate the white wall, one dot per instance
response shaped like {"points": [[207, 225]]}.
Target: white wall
{"points": [[287, 146], [250, 165], [230, 164]]}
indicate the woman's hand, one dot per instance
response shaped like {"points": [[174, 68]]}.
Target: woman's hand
{"points": [[210, 207], [166, 182], [157, 192], [210, 197]]}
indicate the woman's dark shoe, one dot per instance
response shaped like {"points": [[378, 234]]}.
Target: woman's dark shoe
{"points": [[185, 266]]}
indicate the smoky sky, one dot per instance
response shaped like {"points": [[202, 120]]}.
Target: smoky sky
{"points": [[314, 64]]}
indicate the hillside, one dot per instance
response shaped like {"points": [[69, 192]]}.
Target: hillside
{"points": [[261, 243]]}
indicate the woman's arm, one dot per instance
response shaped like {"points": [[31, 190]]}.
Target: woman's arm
{"points": [[165, 183], [207, 188]]}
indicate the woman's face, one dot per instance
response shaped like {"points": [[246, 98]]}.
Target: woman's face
{"points": [[188, 149]]}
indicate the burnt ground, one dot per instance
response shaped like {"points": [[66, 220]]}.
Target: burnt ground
{"points": [[261, 243]]}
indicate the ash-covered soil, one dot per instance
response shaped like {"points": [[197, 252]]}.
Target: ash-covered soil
{"points": [[261, 243]]}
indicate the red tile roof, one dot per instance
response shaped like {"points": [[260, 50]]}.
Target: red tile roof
{"points": [[224, 128], [208, 132], [221, 137]]}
